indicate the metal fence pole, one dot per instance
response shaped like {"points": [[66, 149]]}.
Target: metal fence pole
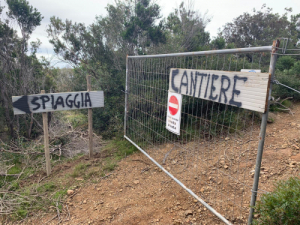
{"points": [[262, 134], [126, 96]]}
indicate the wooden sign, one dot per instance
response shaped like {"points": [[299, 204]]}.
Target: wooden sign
{"points": [[240, 89], [42, 103], [57, 101]]}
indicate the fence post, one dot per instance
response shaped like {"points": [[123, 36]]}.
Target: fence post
{"points": [[262, 133], [126, 97], [46, 141], [90, 119]]}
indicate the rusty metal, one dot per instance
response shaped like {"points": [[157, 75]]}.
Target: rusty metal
{"points": [[262, 134]]}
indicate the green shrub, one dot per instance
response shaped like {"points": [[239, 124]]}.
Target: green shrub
{"points": [[290, 80], [79, 170], [77, 119], [109, 165], [282, 206], [285, 63], [21, 213], [119, 148], [296, 69], [47, 187]]}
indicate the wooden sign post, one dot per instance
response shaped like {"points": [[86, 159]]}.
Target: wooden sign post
{"points": [[90, 119], [43, 103], [46, 141]]}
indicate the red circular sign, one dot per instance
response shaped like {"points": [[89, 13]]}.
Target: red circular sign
{"points": [[173, 105]]}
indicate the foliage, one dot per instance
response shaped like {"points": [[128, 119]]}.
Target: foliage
{"points": [[83, 47], [296, 69], [260, 28], [295, 23], [290, 80], [31, 192], [21, 72], [79, 169], [186, 29], [77, 119], [141, 31], [285, 63], [287, 73], [100, 50], [281, 206], [121, 147], [27, 17], [218, 43], [19, 200]]}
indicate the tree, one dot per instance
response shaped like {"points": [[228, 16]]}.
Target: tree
{"points": [[27, 17], [100, 49], [85, 49], [132, 27], [187, 28], [79, 45], [141, 31], [259, 28], [295, 25], [218, 43], [21, 72], [285, 63]]}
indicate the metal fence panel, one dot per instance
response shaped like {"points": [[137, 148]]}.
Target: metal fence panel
{"points": [[214, 156]]}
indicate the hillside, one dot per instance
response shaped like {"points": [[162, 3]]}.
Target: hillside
{"points": [[134, 191]]}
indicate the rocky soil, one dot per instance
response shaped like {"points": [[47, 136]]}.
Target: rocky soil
{"points": [[137, 192]]}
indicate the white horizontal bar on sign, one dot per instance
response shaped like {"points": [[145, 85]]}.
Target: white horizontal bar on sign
{"points": [[240, 89], [175, 106], [57, 102]]}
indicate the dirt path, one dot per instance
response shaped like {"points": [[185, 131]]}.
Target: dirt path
{"points": [[137, 192]]}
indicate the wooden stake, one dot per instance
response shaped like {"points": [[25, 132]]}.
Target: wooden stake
{"points": [[90, 119], [46, 141]]}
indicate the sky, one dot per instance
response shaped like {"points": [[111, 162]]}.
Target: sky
{"points": [[85, 11]]}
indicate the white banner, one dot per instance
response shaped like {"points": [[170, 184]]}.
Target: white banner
{"points": [[241, 89]]}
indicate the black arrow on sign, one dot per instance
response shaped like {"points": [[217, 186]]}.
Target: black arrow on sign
{"points": [[22, 104]]}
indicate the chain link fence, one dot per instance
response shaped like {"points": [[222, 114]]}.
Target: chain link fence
{"points": [[214, 157]]}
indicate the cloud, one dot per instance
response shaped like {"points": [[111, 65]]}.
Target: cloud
{"points": [[86, 11], [75, 10]]}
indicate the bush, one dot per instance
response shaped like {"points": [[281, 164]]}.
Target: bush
{"points": [[285, 63], [291, 80], [282, 206], [296, 69]]}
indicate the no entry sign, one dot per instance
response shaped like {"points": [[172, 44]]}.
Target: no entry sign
{"points": [[174, 112], [173, 105]]}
